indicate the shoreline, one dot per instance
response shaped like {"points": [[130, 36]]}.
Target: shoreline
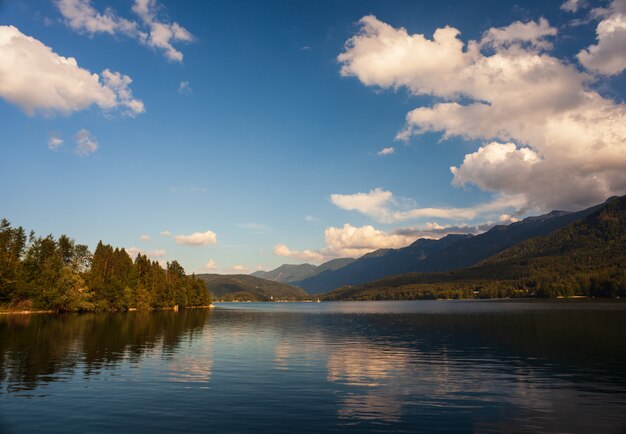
{"points": [[132, 309], [26, 312], [211, 306]]}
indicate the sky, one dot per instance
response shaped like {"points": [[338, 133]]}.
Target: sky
{"points": [[235, 136]]}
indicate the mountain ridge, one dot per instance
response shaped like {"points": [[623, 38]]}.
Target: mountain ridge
{"points": [[425, 255], [586, 257], [244, 287], [288, 273]]}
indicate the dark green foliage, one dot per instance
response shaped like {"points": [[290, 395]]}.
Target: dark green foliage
{"points": [[45, 273], [585, 258]]}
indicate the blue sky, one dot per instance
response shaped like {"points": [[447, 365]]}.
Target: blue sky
{"points": [[245, 128]]}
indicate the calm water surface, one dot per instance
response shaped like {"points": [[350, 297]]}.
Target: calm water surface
{"points": [[457, 366]]}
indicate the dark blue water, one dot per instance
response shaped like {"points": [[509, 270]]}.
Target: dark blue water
{"points": [[424, 366]]}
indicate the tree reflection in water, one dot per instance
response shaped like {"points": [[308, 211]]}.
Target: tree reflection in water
{"points": [[38, 349]]}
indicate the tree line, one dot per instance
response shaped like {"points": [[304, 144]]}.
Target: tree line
{"points": [[45, 273]]}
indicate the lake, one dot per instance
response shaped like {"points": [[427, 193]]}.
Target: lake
{"points": [[411, 366]]}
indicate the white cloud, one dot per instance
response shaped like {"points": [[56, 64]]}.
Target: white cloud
{"points": [[565, 143], [161, 34], [54, 143], [165, 233], [386, 151], [311, 218], [210, 265], [184, 88], [507, 219], [85, 143], [197, 239], [350, 241], [571, 5], [374, 204], [304, 255], [532, 33], [81, 16], [382, 206], [145, 238], [120, 85], [608, 56], [152, 254], [37, 79]]}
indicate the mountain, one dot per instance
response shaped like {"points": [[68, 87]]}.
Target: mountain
{"points": [[377, 264], [448, 253], [498, 238], [288, 273], [586, 257], [243, 287]]}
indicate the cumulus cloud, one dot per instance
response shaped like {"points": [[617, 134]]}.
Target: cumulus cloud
{"points": [[210, 265], [304, 255], [562, 142], [197, 239], [85, 143], [311, 218], [382, 206], [145, 238], [165, 233], [348, 241], [386, 151], [152, 254], [608, 56], [81, 16], [54, 142], [37, 79], [356, 241]]}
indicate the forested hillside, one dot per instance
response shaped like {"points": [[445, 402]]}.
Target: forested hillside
{"points": [[243, 287], [584, 258], [58, 274], [448, 253]]}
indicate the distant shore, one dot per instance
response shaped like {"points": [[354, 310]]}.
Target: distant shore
{"points": [[132, 309]]}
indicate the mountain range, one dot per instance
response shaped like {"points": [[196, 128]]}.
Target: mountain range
{"points": [[586, 257], [424, 255]]}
